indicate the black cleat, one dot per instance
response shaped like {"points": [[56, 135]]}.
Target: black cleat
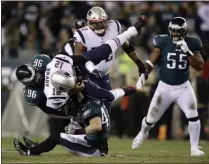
{"points": [[29, 143], [21, 148], [129, 91], [140, 23]]}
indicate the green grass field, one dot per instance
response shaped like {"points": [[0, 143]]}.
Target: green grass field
{"points": [[152, 151]]}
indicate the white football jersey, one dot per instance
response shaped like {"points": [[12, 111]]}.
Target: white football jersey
{"points": [[91, 40], [56, 98]]}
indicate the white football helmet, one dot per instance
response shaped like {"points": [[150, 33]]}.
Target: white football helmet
{"points": [[63, 81], [97, 20]]}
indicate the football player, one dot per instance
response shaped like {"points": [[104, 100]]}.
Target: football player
{"points": [[174, 53], [98, 30], [64, 62], [60, 77]]}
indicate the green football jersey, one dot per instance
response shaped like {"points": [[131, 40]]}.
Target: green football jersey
{"points": [[96, 108], [34, 96], [40, 62], [173, 62]]}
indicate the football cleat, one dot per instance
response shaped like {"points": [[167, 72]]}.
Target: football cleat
{"points": [[138, 140], [29, 143], [21, 148], [129, 91], [197, 152], [140, 23]]}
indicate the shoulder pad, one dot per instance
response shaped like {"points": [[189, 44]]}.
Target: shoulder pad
{"points": [[160, 40], [194, 43]]}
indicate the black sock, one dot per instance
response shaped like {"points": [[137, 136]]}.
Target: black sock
{"points": [[47, 145]]}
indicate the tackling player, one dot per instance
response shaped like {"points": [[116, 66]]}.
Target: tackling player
{"points": [[174, 53]]}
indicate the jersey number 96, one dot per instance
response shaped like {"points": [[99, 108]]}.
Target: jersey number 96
{"points": [[31, 94]]}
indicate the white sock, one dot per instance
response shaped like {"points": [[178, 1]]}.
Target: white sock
{"points": [[122, 38], [118, 93], [194, 133], [144, 127]]}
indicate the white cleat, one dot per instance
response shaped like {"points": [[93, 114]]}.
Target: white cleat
{"points": [[197, 152], [138, 140]]}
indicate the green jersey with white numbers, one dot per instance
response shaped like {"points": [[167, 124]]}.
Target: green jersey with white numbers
{"points": [[96, 108], [34, 95], [173, 62]]}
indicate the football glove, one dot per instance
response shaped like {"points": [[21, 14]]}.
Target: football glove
{"points": [[141, 81], [71, 128], [184, 47], [97, 74]]}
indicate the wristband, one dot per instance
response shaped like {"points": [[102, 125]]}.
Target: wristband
{"points": [[189, 53], [90, 66], [150, 63]]}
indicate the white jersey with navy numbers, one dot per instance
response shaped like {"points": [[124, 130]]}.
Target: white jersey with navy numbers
{"points": [[91, 40], [56, 98]]}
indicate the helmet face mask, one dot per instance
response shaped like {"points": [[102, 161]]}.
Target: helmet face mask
{"points": [[178, 29], [97, 20]]}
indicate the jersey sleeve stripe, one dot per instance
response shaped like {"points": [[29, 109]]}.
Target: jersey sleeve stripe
{"points": [[81, 35], [118, 26], [66, 61]]}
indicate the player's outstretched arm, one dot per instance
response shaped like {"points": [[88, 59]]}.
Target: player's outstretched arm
{"points": [[149, 65], [153, 58], [130, 51]]}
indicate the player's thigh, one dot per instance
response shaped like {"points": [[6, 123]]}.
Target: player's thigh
{"points": [[159, 103], [77, 145], [187, 101]]}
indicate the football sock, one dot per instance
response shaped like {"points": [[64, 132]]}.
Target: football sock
{"points": [[145, 127], [118, 93], [121, 39], [194, 133]]}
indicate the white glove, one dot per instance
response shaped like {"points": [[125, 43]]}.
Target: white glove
{"points": [[72, 127], [183, 46], [141, 81]]}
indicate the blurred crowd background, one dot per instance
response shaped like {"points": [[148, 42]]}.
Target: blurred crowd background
{"points": [[29, 28]]}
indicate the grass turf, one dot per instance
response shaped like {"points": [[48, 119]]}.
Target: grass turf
{"points": [[152, 151]]}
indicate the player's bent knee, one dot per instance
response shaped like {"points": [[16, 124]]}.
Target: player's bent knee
{"points": [[150, 120], [191, 113]]}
